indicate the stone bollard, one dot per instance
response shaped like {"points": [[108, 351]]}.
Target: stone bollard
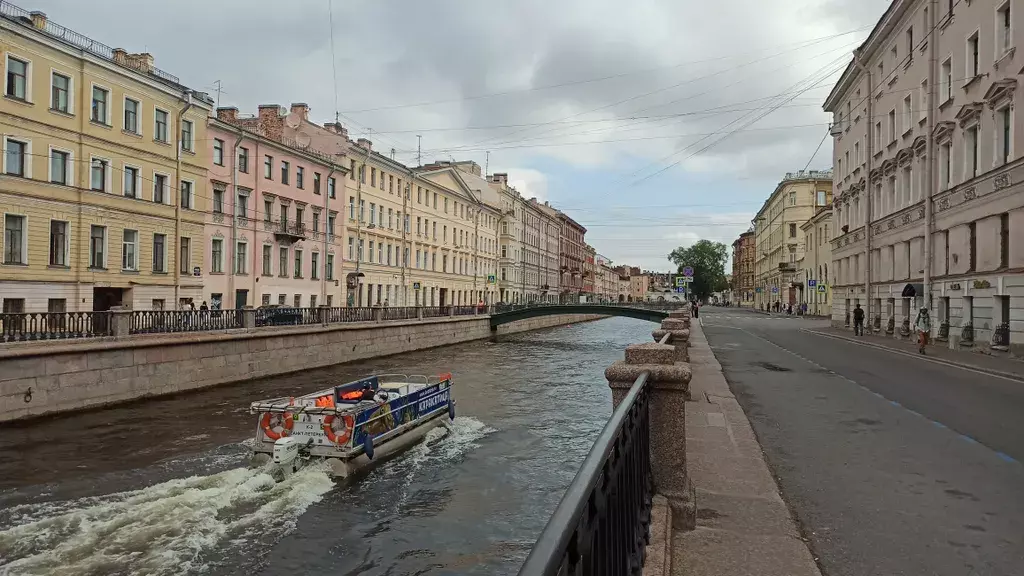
{"points": [[419, 312], [378, 313], [249, 318], [680, 337], [120, 320], [668, 384]]}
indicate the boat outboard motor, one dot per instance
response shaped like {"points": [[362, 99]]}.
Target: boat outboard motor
{"points": [[288, 449]]}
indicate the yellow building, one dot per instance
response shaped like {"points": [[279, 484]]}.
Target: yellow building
{"points": [[778, 238], [102, 203], [814, 268]]}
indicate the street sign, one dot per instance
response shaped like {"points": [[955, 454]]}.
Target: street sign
{"points": [[688, 271], [415, 285], [821, 287], [687, 279], [679, 280], [812, 283], [491, 279], [757, 289], [680, 289], [775, 289]]}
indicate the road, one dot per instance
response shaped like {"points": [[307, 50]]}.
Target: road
{"points": [[892, 464]]}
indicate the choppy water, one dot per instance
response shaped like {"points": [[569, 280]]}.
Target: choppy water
{"points": [[161, 487]]}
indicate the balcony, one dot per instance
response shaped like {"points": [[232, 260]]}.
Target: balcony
{"points": [[290, 231]]}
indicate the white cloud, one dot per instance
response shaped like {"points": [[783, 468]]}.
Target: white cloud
{"points": [[529, 182]]}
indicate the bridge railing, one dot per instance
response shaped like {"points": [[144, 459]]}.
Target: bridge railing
{"points": [[602, 524]]}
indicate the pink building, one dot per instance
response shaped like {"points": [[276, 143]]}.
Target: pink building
{"points": [[280, 247]]}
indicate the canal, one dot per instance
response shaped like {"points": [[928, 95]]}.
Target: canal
{"points": [[161, 487]]}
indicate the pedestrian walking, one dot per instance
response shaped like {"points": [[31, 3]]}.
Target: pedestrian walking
{"points": [[858, 321], [696, 309], [923, 325]]}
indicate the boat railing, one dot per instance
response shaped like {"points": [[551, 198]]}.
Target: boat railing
{"points": [[421, 399], [287, 404]]}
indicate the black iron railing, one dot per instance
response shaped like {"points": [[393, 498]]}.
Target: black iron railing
{"points": [[350, 314], [54, 326], [434, 311], [398, 313], [602, 524], [169, 321]]}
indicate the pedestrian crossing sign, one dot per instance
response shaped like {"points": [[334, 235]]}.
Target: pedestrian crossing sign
{"points": [[821, 287]]}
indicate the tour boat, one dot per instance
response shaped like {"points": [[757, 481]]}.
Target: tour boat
{"points": [[345, 427]]}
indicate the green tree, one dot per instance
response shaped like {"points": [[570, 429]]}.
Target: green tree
{"points": [[707, 259]]}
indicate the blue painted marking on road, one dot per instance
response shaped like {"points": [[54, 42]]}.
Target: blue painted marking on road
{"points": [[1006, 457], [968, 439], [939, 424]]}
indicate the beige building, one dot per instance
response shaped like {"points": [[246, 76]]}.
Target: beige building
{"points": [[103, 191], [813, 274], [927, 171], [550, 233], [778, 238]]}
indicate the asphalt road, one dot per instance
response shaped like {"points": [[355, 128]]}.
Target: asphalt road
{"points": [[892, 464]]}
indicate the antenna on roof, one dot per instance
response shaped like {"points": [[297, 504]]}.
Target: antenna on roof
{"points": [[487, 163]]}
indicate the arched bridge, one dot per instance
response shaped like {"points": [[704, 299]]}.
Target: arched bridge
{"points": [[651, 311]]}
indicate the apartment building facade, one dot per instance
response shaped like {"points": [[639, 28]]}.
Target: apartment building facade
{"points": [[103, 190], [272, 230], [743, 252], [571, 254], [549, 229], [589, 270], [928, 172], [778, 238], [814, 267]]}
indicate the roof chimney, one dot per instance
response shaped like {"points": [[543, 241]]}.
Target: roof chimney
{"points": [[227, 114], [38, 19], [300, 108], [270, 120], [500, 177], [364, 143], [120, 56]]}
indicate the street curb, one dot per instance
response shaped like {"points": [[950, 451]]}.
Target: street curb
{"points": [[1007, 375]]}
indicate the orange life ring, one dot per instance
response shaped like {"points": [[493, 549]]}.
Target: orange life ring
{"points": [[343, 436], [286, 428], [445, 376]]}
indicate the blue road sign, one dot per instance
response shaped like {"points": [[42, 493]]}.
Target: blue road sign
{"points": [[812, 283], [688, 271], [680, 289], [775, 289]]}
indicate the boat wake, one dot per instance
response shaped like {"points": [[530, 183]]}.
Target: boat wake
{"points": [[167, 528]]}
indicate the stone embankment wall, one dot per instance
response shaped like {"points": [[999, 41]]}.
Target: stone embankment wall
{"points": [[45, 378]]}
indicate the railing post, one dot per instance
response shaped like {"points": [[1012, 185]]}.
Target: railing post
{"points": [[248, 318], [669, 383], [378, 314], [120, 320], [679, 337], [419, 312], [451, 311]]}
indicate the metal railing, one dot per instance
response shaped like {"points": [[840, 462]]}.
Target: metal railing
{"points": [[351, 314], [434, 311], [171, 321], [602, 524], [32, 326], [399, 313]]}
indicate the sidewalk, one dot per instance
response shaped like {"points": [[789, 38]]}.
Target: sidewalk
{"points": [[743, 526], [976, 359]]}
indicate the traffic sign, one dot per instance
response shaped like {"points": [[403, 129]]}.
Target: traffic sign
{"points": [[821, 287], [688, 271], [687, 279], [812, 283], [757, 289], [680, 289], [679, 280], [415, 285], [775, 289], [491, 279]]}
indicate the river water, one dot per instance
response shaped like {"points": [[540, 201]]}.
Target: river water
{"points": [[161, 487]]}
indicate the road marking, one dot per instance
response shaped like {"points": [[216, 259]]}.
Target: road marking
{"points": [[910, 355], [1002, 455]]}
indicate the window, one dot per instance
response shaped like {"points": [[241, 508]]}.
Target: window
{"points": [[100, 170], [362, 210], [160, 125], [160, 188], [972, 56], [922, 107], [351, 207], [217, 256], [1004, 241], [892, 125], [131, 182], [373, 214], [972, 230], [298, 263], [268, 210], [856, 154], [906, 191], [242, 205], [300, 215], [314, 263], [316, 181], [329, 273], [159, 253], [351, 248], [380, 253], [186, 194], [187, 135], [300, 174], [792, 198], [241, 251], [17, 78], [908, 114], [971, 151], [330, 224], [218, 151], [372, 243], [285, 169], [878, 137], [373, 177], [792, 230], [131, 116], [185, 255], [391, 184], [910, 42], [946, 77], [15, 245], [243, 160], [1004, 30], [97, 246], [316, 221], [130, 250], [218, 201], [100, 102], [267, 249], [945, 175], [820, 198], [352, 170], [15, 158], [1005, 144], [330, 188], [446, 205], [60, 88], [419, 195], [282, 262], [268, 167], [298, 301]]}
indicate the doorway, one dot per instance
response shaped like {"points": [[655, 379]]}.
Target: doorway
{"points": [[241, 299], [442, 297]]}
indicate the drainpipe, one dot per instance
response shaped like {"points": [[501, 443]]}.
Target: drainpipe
{"points": [[933, 176], [858, 61], [234, 218], [360, 175], [177, 205], [401, 223], [328, 232]]}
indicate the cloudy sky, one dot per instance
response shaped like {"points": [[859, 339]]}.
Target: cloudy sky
{"points": [[654, 123]]}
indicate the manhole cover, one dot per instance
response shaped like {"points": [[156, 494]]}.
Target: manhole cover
{"points": [[772, 367]]}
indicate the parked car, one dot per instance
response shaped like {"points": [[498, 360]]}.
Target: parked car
{"points": [[277, 315]]}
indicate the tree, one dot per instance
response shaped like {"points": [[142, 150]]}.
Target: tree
{"points": [[707, 259]]}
